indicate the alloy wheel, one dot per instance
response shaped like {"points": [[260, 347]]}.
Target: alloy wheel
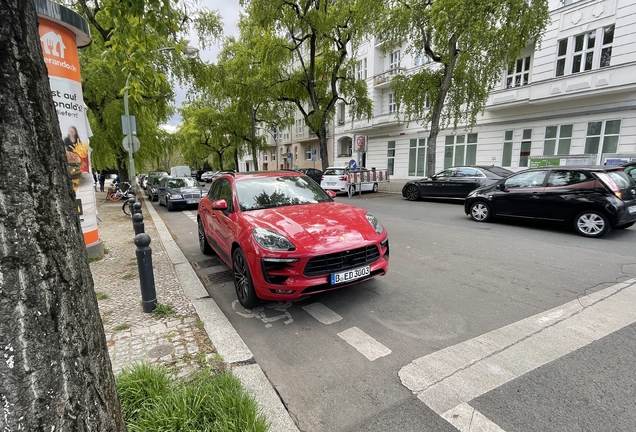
{"points": [[480, 212]]}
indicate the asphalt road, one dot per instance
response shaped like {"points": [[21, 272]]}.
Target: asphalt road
{"points": [[335, 359]]}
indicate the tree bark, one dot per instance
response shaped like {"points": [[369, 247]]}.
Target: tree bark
{"points": [[322, 139], [54, 364]]}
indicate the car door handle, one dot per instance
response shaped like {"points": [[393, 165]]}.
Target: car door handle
{"points": [[535, 195]]}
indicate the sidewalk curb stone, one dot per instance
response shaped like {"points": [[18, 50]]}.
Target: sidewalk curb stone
{"points": [[224, 337]]}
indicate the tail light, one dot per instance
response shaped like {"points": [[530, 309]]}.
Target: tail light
{"points": [[342, 178]]}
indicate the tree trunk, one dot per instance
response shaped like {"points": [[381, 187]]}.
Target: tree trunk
{"points": [[253, 142], [56, 373], [236, 158], [324, 153], [431, 154]]}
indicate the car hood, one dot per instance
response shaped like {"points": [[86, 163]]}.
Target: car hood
{"points": [[184, 190], [318, 228]]}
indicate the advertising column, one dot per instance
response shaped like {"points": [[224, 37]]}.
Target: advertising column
{"points": [[62, 31]]}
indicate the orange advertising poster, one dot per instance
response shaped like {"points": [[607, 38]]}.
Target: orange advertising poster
{"points": [[60, 51]]}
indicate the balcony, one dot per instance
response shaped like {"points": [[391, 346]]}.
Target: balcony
{"points": [[383, 79]]}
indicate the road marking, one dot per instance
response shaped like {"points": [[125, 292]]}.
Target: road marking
{"points": [[448, 379], [191, 215], [467, 419], [322, 313], [365, 344]]}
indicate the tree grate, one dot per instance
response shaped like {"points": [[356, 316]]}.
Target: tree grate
{"points": [[212, 278], [207, 263]]}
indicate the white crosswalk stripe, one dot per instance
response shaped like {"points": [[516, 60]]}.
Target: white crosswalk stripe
{"points": [[365, 344], [192, 216], [322, 313]]}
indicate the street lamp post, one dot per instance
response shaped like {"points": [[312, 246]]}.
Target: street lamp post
{"points": [[190, 52]]}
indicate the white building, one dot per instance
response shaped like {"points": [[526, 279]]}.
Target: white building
{"points": [[572, 98]]}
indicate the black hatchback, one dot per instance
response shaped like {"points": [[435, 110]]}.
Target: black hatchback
{"points": [[592, 199]]}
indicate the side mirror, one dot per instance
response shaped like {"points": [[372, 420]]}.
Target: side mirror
{"points": [[331, 194], [219, 205], [501, 186]]}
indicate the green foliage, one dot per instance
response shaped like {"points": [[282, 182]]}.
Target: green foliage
{"points": [[151, 401], [163, 311], [470, 44], [101, 295], [309, 42], [120, 327]]}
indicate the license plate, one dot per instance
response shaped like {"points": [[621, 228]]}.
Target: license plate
{"points": [[330, 183], [192, 201], [631, 209], [350, 275]]}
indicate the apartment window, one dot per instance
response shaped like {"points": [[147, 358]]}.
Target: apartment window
{"points": [[273, 155], [308, 153], [300, 125], [606, 48], [557, 140], [526, 146], [518, 73], [391, 103], [394, 61], [606, 132], [340, 114], [460, 150], [361, 69], [296, 153], [417, 157], [346, 148], [506, 160], [275, 134], [581, 52], [265, 156], [390, 156], [421, 59]]}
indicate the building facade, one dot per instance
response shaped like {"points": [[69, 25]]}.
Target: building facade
{"points": [[569, 100]]}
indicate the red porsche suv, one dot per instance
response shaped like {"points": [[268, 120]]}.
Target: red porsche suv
{"points": [[284, 237]]}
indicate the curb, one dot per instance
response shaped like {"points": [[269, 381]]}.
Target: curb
{"points": [[222, 334]]}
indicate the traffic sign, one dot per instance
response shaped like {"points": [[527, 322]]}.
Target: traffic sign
{"points": [[313, 152], [352, 164], [135, 144], [289, 155]]}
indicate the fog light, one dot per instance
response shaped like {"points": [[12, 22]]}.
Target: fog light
{"points": [[282, 291]]}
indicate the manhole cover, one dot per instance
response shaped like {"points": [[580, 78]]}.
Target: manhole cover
{"points": [[207, 263], [212, 278], [160, 351]]}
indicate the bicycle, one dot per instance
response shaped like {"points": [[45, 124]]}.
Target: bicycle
{"points": [[126, 206], [116, 192]]}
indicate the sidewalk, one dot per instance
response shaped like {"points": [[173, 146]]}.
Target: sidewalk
{"points": [[195, 333]]}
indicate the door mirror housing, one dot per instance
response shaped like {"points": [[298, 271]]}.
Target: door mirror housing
{"points": [[331, 194], [501, 185], [219, 205]]}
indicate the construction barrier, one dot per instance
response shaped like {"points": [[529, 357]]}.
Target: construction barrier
{"points": [[357, 178]]}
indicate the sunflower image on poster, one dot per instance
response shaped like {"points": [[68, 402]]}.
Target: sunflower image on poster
{"points": [[76, 156]]}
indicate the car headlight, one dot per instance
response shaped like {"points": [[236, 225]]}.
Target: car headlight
{"points": [[272, 240], [377, 226], [175, 197]]}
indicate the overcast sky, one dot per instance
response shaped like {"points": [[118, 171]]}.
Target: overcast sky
{"points": [[229, 10]]}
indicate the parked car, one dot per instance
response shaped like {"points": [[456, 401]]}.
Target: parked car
{"points": [[335, 179], [174, 192], [208, 176], [592, 199], [284, 237], [630, 169], [454, 183], [141, 178], [180, 171], [313, 173], [199, 173], [152, 183]]}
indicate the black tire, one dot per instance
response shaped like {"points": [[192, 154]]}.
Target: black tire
{"points": [[591, 223], [352, 189], [375, 187], [243, 280], [480, 211], [412, 193], [126, 208], [205, 247], [627, 225]]}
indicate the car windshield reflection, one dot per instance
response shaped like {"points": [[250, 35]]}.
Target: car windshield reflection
{"points": [[269, 192], [180, 183]]}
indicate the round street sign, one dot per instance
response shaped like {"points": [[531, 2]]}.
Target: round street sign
{"points": [[313, 152], [135, 144]]}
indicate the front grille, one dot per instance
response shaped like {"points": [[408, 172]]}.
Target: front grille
{"points": [[187, 196], [325, 264]]}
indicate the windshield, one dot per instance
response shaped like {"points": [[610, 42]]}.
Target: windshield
{"points": [[335, 171], [180, 182], [268, 192], [499, 171]]}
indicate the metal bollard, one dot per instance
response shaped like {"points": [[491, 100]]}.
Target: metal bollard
{"points": [[138, 223], [131, 204], [137, 207], [146, 276]]}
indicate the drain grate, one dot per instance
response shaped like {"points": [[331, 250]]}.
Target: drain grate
{"points": [[160, 351], [212, 278], [207, 263]]}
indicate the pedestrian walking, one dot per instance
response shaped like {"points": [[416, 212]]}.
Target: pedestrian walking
{"points": [[102, 180]]}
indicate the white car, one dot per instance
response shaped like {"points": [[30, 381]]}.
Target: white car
{"points": [[208, 176], [335, 179]]}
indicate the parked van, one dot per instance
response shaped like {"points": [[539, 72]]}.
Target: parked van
{"points": [[180, 171]]}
